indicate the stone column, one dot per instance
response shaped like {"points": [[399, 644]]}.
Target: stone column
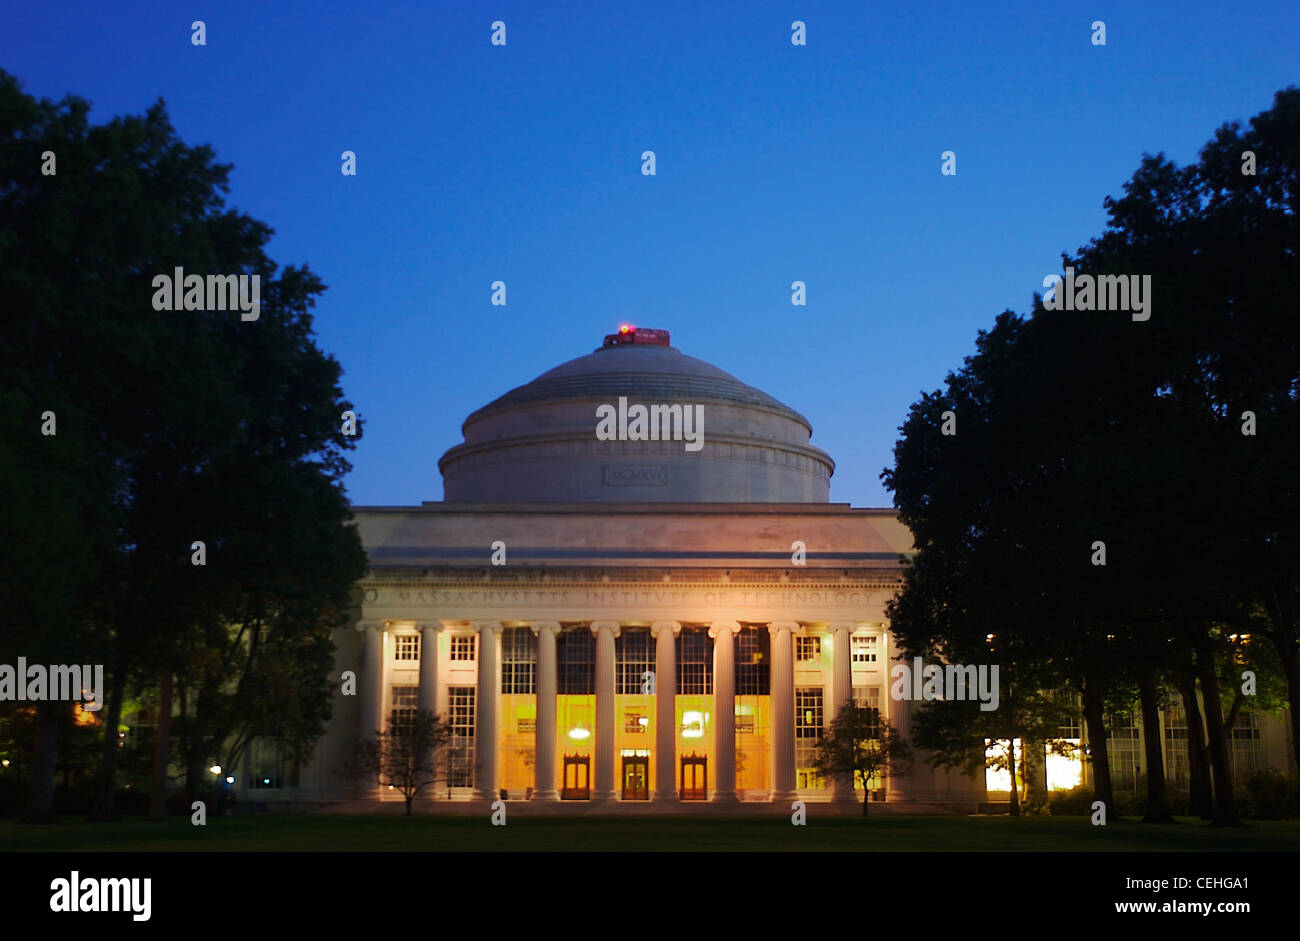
{"points": [[783, 709], [428, 694], [372, 689], [899, 715], [724, 707], [429, 665], [544, 730], [841, 691], [605, 632], [485, 710], [665, 634]]}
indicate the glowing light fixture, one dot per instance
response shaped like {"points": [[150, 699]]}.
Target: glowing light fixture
{"points": [[624, 329], [643, 721], [692, 725], [230, 779], [215, 769], [579, 733]]}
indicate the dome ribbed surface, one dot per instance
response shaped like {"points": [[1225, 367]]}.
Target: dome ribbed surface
{"points": [[658, 373]]}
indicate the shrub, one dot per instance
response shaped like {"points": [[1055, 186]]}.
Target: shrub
{"points": [[1268, 794]]}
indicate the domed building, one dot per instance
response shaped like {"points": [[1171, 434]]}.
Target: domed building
{"points": [[636, 589]]}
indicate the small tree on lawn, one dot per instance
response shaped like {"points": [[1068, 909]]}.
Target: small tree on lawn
{"points": [[405, 756], [862, 745]]}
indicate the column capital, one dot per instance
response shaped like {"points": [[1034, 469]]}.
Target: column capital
{"points": [[364, 626], [598, 626], [482, 626], [552, 626], [717, 627], [836, 626], [657, 626], [435, 626], [778, 626]]}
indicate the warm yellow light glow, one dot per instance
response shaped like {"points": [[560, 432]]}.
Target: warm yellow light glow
{"points": [[1064, 772], [692, 724], [579, 733], [999, 779], [215, 769], [643, 721]]}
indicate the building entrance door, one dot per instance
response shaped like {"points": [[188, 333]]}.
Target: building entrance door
{"points": [[577, 778], [636, 778], [695, 777]]}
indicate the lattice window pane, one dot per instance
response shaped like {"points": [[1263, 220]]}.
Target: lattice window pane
{"points": [[753, 662], [406, 647], [404, 702], [518, 660], [634, 650], [863, 647], [460, 753], [694, 663], [462, 646], [807, 648], [575, 651]]}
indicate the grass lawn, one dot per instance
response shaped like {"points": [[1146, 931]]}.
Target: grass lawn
{"points": [[324, 833]]}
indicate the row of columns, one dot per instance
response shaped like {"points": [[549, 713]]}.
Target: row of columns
{"points": [[664, 633]]}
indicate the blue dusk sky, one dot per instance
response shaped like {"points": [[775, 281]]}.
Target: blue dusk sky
{"points": [[775, 163]]}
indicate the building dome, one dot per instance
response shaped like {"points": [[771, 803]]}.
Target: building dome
{"points": [[636, 421]]}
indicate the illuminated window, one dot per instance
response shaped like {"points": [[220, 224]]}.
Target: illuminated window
{"points": [[575, 654], [407, 647], [1243, 746], [462, 646], [518, 660], [694, 662], [1124, 747], [808, 712], [807, 732], [753, 662], [1176, 767], [807, 648], [868, 697], [404, 702], [460, 753], [863, 647], [635, 656]]}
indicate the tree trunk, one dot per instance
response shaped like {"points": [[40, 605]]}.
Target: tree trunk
{"points": [[1157, 805], [106, 804], [40, 803], [1290, 657], [1225, 805], [1198, 761], [866, 795], [158, 796], [1015, 789], [1094, 715], [1286, 629]]}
